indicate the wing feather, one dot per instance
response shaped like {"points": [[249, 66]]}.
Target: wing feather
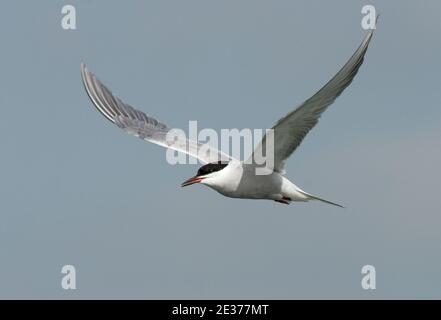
{"points": [[141, 125], [290, 130]]}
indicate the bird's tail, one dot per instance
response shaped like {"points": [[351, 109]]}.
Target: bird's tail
{"points": [[310, 196]]}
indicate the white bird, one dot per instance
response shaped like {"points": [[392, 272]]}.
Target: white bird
{"points": [[228, 176]]}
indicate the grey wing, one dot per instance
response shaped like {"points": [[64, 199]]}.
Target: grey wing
{"points": [[142, 126], [290, 130]]}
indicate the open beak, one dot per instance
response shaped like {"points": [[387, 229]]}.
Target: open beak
{"points": [[191, 181]]}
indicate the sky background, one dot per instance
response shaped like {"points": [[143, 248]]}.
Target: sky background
{"points": [[77, 190]]}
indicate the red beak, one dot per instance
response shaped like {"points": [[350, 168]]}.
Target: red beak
{"points": [[191, 181]]}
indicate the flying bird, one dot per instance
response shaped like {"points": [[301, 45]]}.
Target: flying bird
{"points": [[229, 176]]}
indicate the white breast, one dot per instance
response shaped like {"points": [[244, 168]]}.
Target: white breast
{"points": [[240, 181]]}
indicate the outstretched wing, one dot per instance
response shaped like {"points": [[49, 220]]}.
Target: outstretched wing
{"points": [[142, 126], [290, 130]]}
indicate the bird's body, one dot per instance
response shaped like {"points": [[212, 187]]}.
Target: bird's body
{"points": [[239, 180], [231, 177]]}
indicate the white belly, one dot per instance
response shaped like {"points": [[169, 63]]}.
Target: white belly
{"points": [[242, 182]]}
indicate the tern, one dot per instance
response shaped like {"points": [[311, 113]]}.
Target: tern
{"points": [[228, 176]]}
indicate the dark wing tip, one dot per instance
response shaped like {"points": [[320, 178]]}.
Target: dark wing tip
{"points": [[95, 90]]}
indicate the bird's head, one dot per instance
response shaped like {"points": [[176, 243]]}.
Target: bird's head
{"points": [[206, 174]]}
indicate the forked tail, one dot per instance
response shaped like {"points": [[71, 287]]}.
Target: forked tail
{"points": [[310, 196]]}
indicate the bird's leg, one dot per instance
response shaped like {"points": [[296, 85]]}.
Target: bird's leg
{"points": [[284, 200]]}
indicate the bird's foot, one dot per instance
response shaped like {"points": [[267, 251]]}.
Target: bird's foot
{"points": [[284, 201]]}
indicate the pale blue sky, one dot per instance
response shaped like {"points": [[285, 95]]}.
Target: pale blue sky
{"points": [[76, 190]]}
